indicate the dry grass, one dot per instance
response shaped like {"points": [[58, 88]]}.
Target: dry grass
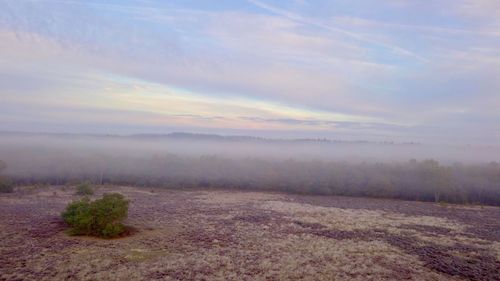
{"points": [[355, 219], [223, 235], [236, 197]]}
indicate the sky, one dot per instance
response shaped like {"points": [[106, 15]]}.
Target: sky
{"points": [[424, 71]]}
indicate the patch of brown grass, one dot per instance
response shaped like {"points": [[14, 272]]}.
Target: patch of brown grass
{"points": [[224, 235]]}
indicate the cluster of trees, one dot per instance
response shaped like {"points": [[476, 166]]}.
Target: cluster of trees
{"points": [[426, 180]]}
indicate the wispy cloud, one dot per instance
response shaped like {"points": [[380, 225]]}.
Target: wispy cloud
{"points": [[393, 68], [355, 21], [320, 24]]}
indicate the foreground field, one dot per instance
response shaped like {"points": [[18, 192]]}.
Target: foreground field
{"points": [[229, 235]]}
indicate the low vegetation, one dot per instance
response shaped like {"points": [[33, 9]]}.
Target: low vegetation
{"points": [[84, 188], [102, 217], [5, 184], [234, 235]]}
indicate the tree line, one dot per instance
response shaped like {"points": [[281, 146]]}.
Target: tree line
{"points": [[425, 180]]}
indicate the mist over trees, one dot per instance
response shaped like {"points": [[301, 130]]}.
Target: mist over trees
{"points": [[162, 164]]}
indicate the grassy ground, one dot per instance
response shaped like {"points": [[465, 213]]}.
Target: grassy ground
{"points": [[226, 235]]}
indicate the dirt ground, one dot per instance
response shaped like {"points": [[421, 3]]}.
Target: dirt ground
{"points": [[232, 235]]}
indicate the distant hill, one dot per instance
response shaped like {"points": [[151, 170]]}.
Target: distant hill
{"points": [[202, 137]]}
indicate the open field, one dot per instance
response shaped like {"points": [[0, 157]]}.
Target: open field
{"points": [[231, 235]]}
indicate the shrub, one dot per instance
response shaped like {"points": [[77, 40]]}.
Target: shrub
{"points": [[6, 186], [84, 188], [102, 217]]}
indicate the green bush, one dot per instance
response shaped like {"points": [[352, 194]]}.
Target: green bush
{"points": [[84, 189], [102, 217], [3, 165], [6, 186]]}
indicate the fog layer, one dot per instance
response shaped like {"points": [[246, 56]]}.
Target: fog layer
{"points": [[49, 150], [457, 174]]}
